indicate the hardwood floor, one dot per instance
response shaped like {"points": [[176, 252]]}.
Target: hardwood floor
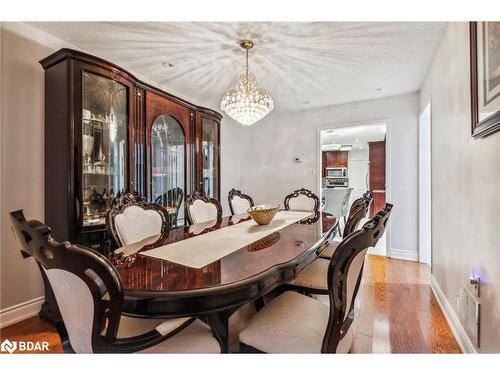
{"points": [[397, 314], [33, 329]]}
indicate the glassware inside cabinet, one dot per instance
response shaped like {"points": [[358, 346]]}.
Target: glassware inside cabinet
{"points": [[167, 166], [104, 145]]}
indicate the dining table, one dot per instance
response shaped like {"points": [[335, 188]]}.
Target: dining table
{"points": [[209, 270]]}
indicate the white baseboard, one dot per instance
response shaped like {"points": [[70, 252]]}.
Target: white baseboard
{"points": [[24, 310], [457, 329], [374, 251], [404, 255]]}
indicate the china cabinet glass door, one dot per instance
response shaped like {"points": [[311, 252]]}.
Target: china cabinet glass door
{"points": [[104, 145], [210, 157], [167, 166]]}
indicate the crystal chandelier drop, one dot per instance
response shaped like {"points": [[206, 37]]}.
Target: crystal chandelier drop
{"points": [[113, 126], [246, 101]]}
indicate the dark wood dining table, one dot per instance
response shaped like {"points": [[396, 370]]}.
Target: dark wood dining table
{"points": [[156, 288]]}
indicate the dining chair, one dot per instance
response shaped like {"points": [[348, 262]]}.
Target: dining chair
{"points": [[337, 202], [89, 296], [367, 196], [302, 200], [172, 198], [239, 203], [201, 209], [356, 213], [295, 323], [313, 279], [131, 219]]}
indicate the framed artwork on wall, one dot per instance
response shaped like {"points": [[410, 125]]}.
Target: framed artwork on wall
{"points": [[485, 77]]}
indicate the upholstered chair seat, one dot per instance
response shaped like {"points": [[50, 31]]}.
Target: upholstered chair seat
{"points": [[330, 249], [314, 277], [291, 323], [130, 326], [201, 209], [195, 338], [296, 323]]}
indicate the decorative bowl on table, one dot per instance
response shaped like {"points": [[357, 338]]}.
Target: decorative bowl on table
{"points": [[263, 214]]}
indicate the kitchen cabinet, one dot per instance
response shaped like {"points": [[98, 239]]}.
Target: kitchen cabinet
{"points": [[334, 159], [377, 175]]}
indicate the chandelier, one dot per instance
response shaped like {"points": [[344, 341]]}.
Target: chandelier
{"points": [[246, 101]]}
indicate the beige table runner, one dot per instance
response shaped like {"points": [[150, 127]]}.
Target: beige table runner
{"points": [[199, 251]]}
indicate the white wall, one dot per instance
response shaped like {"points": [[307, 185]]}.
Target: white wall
{"points": [[22, 152], [465, 186], [268, 147]]}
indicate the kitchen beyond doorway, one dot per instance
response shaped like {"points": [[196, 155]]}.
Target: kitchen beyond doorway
{"points": [[353, 160]]}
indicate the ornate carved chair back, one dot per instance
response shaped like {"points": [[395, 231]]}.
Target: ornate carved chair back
{"points": [[131, 219], [344, 277], [172, 198], [366, 198], [355, 218], [86, 286], [239, 203], [201, 209], [302, 200]]}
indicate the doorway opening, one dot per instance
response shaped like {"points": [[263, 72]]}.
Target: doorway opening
{"points": [[353, 159], [424, 187]]}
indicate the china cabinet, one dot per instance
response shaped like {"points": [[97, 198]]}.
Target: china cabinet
{"points": [[208, 150], [108, 133]]}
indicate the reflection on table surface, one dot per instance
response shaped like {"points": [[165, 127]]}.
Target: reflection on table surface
{"points": [[151, 274]]}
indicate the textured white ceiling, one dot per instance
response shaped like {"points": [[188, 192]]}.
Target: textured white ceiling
{"points": [[357, 136], [322, 63]]}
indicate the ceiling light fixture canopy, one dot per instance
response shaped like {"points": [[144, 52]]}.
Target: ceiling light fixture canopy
{"points": [[246, 101]]}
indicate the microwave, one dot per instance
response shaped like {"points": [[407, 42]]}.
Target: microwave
{"points": [[336, 172]]}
